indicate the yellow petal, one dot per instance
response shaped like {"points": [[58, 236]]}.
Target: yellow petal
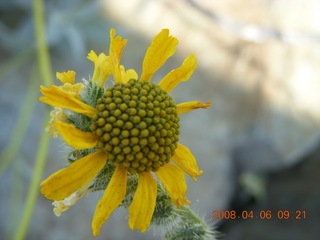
{"points": [[73, 89], [162, 47], [57, 114], [65, 204], [74, 137], [63, 183], [92, 56], [189, 106], [57, 97], [111, 199], [144, 202], [174, 181], [186, 161], [102, 67], [66, 77], [115, 51], [183, 73], [127, 75]]}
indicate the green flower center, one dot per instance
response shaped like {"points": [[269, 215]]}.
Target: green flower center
{"points": [[137, 125]]}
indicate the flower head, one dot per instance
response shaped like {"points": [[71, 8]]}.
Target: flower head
{"points": [[132, 126]]}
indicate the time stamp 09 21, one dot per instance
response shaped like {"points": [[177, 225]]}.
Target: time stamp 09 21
{"points": [[263, 214]]}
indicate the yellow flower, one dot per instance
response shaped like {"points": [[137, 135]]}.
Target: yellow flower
{"points": [[134, 126]]}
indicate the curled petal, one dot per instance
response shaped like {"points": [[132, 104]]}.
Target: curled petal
{"points": [[115, 51], [92, 56], [174, 181], [57, 97], [57, 114], [162, 47], [102, 67], [186, 161], [64, 205], [66, 77], [127, 75], [73, 89], [63, 183], [111, 199], [183, 73], [144, 202], [74, 137], [189, 106]]}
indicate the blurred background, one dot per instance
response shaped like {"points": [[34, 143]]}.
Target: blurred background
{"points": [[259, 144]]}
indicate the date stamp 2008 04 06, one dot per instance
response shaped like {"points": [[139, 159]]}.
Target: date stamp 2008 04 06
{"points": [[263, 214]]}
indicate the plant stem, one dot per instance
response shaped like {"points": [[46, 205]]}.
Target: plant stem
{"points": [[42, 47], [34, 185], [45, 70]]}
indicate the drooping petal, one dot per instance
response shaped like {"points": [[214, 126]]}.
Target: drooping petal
{"points": [[65, 204], [174, 181], [63, 183], [183, 73], [162, 47], [143, 204], [189, 106], [57, 97], [57, 114], [186, 161], [102, 67], [111, 199], [66, 77], [128, 75], [74, 137], [115, 51]]}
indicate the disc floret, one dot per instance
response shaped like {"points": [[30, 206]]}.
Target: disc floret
{"points": [[138, 125]]}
